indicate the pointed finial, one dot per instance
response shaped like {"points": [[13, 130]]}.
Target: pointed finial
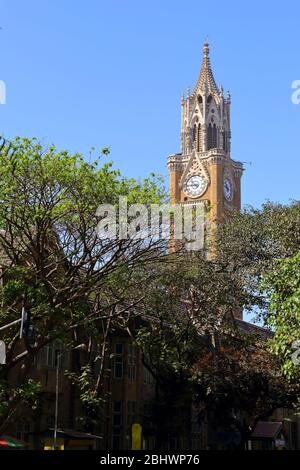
{"points": [[221, 90], [189, 92], [206, 49], [182, 98], [228, 97]]}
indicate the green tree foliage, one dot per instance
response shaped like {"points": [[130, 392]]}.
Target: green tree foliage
{"points": [[53, 263], [251, 242], [229, 370], [283, 285]]}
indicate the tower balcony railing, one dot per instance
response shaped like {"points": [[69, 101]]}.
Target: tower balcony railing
{"points": [[181, 158]]}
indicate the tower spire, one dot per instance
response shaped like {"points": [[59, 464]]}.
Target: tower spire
{"points": [[206, 78]]}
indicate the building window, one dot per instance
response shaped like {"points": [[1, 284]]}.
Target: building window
{"points": [[199, 138], [131, 412], [118, 361], [23, 429], [55, 354], [117, 413], [209, 137], [194, 133], [172, 443], [116, 439], [116, 424], [132, 360], [148, 377], [212, 137]]}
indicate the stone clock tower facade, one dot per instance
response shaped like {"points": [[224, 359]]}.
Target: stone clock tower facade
{"points": [[204, 172]]}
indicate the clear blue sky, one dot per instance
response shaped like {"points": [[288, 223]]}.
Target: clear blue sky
{"points": [[111, 73]]}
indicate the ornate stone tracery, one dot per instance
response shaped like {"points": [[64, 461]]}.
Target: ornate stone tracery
{"points": [[204, 170]]}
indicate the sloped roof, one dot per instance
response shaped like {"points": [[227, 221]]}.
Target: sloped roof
{"points": [[266, 430], [250, 328], [206, 77]]}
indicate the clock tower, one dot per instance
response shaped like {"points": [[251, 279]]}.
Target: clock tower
{"points": [[204, 172]]}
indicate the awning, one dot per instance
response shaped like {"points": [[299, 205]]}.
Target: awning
{"points": [[11, 442], [266, 430], [67, 434]]}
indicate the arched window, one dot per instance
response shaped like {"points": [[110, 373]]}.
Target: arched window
{"points": [[214, 137], [209, 137], [55, 354], [199, 140], [200, 103], [209, 99], [194, 133]]}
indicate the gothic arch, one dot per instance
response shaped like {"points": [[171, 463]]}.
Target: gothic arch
{"points": [[212, 136]]}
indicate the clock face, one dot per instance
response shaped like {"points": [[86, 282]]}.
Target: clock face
{"points": [[195, 185], [228, 189]]}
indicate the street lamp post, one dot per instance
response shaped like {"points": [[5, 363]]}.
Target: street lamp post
{"points": [[59, 354], [4, 327], [24, 331]]}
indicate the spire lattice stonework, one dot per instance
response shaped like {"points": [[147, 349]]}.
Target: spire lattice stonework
{"points": [[205, 114], [203, 171], [206, 77]]}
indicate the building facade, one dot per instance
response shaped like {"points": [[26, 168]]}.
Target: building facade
{"points": [[203, 173]]}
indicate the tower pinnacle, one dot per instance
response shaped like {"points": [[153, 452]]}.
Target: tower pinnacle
{"points": [[206, 78]]}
